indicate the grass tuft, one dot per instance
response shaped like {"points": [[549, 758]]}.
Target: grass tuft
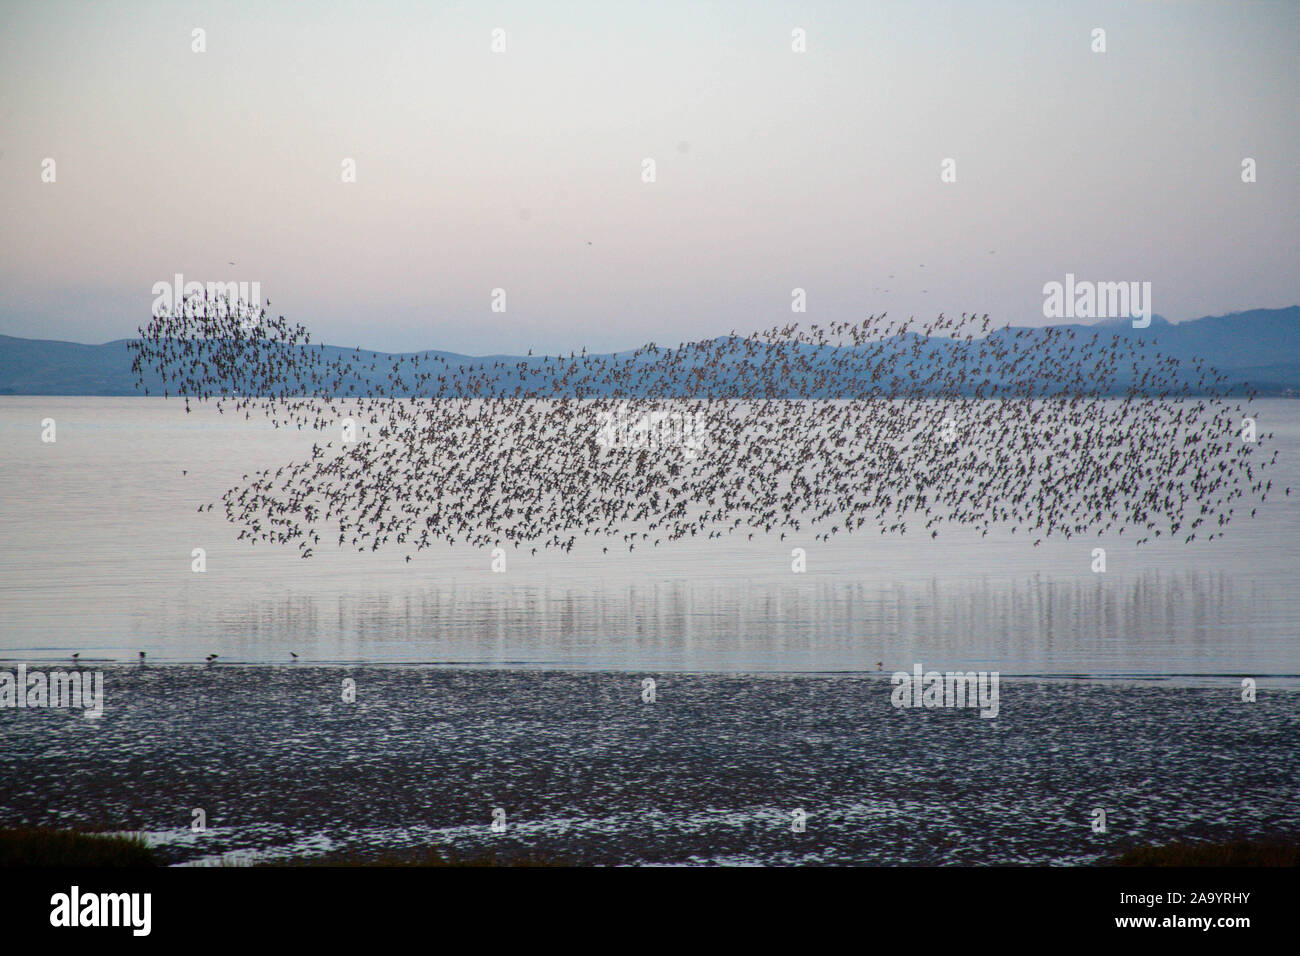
{"points": [[46, 846], [1239, 853]]}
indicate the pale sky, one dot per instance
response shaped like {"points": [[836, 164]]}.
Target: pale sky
{"points": [[479, 170]]}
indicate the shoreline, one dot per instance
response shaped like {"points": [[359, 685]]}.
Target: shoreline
{"points": [[1191, 679]]}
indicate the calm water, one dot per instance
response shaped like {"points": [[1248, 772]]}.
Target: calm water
{"points": [[98, 530]]}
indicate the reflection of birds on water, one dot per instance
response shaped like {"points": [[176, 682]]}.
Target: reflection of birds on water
{"points": [[844, 428]]}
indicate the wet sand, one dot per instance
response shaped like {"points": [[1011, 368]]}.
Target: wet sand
{"points": [[589, 773]]}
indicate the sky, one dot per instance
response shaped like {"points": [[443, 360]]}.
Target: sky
{"points": [[523, 169]]}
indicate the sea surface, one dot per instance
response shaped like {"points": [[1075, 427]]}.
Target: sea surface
{"points": [[99, 528], [521, 697]]}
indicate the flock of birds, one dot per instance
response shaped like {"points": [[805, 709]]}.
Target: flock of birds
{"points": [[881, 426]]}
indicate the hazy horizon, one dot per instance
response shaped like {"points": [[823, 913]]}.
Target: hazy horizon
{"points": [[522, 170]]}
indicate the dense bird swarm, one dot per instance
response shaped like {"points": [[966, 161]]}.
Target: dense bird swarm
{"points": [[881, 427]]}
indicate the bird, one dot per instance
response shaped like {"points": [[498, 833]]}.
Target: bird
{"points": [[293, 655]]}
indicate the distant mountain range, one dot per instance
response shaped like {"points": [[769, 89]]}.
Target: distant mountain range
{"points": [[1260, 348]]}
